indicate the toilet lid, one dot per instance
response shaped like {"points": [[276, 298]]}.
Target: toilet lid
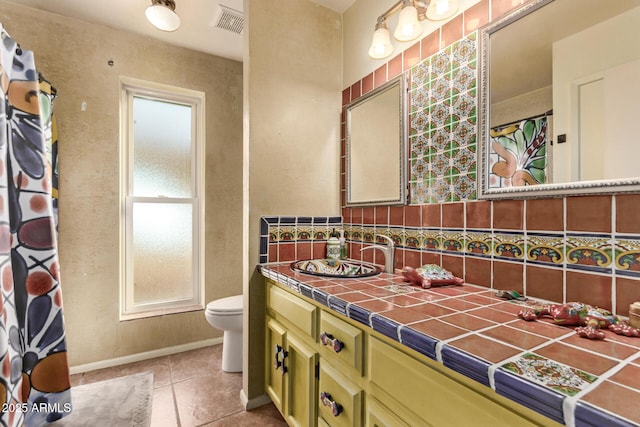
{"points": [[226, 305]]}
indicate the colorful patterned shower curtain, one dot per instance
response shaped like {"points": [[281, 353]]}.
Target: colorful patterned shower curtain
{"points": [[34, 374]]}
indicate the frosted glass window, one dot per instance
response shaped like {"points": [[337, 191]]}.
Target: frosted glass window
{"points": [[162, 148], [162, 184], [162, 252]]}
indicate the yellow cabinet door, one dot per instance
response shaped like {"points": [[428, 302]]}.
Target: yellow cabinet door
{"points": [[275, 370], [339, 400], [301, 383]]}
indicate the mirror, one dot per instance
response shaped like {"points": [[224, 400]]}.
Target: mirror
{"points": [[376, 146], [559, 83]]}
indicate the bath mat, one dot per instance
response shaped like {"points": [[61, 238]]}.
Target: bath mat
{"points": [[119, 402]]}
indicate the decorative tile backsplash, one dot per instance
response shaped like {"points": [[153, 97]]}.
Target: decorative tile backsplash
{"points": [[442, 122]]}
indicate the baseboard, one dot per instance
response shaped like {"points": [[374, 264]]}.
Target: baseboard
{"points": [[254, 403], [143, 356]]}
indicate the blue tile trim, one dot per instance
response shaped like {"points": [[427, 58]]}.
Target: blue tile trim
{"points": [[510, 232], [385, 326], [263, 259], [628, 236], [536, 234], [293, 284], [305, 220], [586, 234], [306, 290], [589, 416], [287, 220], [264, 245], [433, 251], [419, 342], [536, 397], [335, 220], [321, 297], [359, 314], [466, 364], [479, 230], [320, 220], [589, 268], [270, 219], [506, 258], [629, 273], [338, 305], [545, 264], [477, 255]]}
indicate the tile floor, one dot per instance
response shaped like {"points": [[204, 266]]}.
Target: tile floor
{"points": [[191, 390]]}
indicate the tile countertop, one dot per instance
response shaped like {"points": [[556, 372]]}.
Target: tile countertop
{"points": [[548, 368]]}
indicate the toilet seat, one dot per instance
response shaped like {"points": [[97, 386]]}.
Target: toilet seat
{"points": [[228, 306]]}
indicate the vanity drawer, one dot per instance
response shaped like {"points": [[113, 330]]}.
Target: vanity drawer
{"points": [[300, 313], [344, 341], [340, 402]]}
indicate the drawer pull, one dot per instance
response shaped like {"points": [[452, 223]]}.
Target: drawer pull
{"points": [[280, 355], [336, 408], [327, 339]]}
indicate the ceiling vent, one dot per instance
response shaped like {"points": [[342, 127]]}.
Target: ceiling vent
{"points": [[230, 20]]}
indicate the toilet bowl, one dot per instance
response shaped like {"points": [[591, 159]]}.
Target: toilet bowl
{"points": [[226, 314]]}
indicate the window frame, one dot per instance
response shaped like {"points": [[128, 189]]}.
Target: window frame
{"points": [[129, 89]]}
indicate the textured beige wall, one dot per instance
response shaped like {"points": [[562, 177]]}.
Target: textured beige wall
{"points": [[292, 104], [73, 55]]}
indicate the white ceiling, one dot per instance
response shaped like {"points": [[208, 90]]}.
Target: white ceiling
{"points": [[197, 16]]}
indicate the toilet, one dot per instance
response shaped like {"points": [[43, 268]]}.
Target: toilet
{"points": [[226, 314]]}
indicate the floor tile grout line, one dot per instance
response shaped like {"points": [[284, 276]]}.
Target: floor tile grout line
{"points": [[173, 392]]}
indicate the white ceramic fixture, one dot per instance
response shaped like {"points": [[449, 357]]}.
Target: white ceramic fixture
{"points": [[225, 314]]}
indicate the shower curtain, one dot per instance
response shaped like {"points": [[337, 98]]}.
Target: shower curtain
{"points": [[34, 374]]}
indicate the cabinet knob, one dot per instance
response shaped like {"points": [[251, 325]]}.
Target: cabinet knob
{"points": [[336, 408], [327, 339]]}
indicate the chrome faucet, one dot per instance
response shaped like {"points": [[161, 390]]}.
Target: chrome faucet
{"points": [[388, 251]]}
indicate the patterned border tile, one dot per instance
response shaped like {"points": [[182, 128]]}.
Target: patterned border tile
{"points": [[545, 248], [479, 243], [589, 252], [509, 246]]}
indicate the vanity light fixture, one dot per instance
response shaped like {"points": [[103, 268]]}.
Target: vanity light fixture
{"points": [[161, 14], [412, 13]]}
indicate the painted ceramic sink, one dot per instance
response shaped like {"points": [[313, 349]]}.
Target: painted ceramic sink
{"points": [[337, 268]]}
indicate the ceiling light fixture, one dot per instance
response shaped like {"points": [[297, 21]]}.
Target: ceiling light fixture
{"points": [[412, 13], [161, 14]]}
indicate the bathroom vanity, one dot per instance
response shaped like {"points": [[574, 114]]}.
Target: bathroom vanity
{"points": [[375, 351]]}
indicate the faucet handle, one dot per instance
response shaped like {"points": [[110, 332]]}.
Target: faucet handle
{"points": [[387, 238]]}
